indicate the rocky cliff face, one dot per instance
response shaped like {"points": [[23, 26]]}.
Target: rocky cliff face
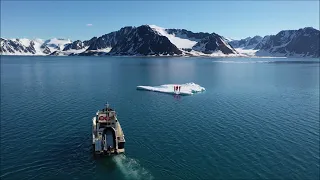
{"points": [[247, 43], [185, 34], [214, 43], [109, 40], [302, 42], [76, 45], [144, 41], [23, 47]]}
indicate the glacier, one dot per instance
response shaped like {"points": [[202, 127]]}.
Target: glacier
{"points": [[186, 89], [57, 43], [177, 41]]}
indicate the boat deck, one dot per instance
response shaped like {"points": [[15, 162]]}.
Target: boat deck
{"points": [[120, 134], [119, 131], [107, 118]]}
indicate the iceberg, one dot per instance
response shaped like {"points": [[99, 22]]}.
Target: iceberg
{"points": [[186, 89]]}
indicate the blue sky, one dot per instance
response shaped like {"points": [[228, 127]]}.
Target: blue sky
{"points": [[235, 19]]}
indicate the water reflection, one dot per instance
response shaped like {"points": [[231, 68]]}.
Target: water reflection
{"points": [[177, 97]]}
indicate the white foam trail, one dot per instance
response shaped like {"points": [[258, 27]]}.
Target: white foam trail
{"points": [[131, 168]]}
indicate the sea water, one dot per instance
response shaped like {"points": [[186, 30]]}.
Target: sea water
{"points": [[257, 119]]}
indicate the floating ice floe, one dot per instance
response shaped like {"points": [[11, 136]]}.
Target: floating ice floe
{"points": [[186, 89]]}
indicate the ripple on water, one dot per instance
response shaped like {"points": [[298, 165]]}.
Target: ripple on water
{"points": [[255, 121]]}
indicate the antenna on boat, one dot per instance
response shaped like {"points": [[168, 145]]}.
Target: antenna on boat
{"points": [[107, 104]]}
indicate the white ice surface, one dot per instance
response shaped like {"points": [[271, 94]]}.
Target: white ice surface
{"points": [[228, 39], [213, 54], [76, 50], [186, 89], [106, 50], [177, 41], [25, 42], [55, 42], [37, 47], [246, 52], [260, 54]]}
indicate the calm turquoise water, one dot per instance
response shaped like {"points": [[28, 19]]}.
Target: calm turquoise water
{"points": [[258, 119]]}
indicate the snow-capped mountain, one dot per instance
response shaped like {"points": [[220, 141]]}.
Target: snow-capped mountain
{"points": [[247, 43], [109, 40], [263, 42], [56, 44], [185, 34], [23, 47], [31, 47], [74, 48], [200, 43], [74, 45], [180, 37], [303, 42], [228, 39], [155, 40], [142, 40], [214, 43], [145, 40]]}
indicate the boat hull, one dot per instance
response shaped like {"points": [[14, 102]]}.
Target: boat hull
{"points": [[108, 144], [107, 135]]}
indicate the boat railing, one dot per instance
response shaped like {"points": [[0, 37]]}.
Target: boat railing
{"points": [[120, 138], [108, 113]]}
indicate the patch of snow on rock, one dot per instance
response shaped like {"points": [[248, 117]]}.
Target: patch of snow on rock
{"points": [[177, 41]]}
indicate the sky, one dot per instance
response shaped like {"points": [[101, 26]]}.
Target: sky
{"points": [[85, 19]]}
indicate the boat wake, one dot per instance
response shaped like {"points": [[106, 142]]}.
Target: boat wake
{"points": [[131, 168]]}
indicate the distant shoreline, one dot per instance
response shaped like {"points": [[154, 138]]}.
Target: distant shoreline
{"points": [[249, 57]]}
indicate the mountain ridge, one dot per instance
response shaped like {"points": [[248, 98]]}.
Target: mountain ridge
{"points": [[303, 42], [152, 40]]}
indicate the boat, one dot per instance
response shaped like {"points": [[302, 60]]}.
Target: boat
{"points": [[107, 135]]}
